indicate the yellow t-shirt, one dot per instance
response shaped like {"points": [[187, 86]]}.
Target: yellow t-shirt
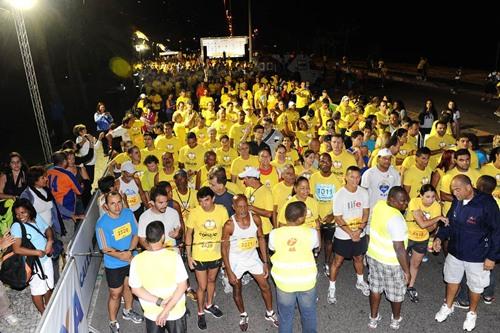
{"points": [[180, 131], [303, 96], [237, 131], [148, 180], [490, 170], [162, 176], [170, 145], [416, 233], [261, 198], [207, 232], [210, 116], [301, 171], [340, 164], [304, 137], [405, 151], [204, 100], [415, 178], [239, 165], [292, 156], [445, 182], [292, 117], [187, 201], [323, 190], [201, 134], [435, 142], [135, 133], [222, 127], [312, 214], [226, 158], [271, 179], [155, 152], [192, 157], [281, 194]]}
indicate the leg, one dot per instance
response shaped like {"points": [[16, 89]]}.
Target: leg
{"points": [[211, 278], [46, 297], [489, 292], [396, 309], [114, 302], [374, 303], [451, 292], [127, 295], [238, 299], [286, 310], [38, 301], [415, 261], [463, 293], [307, 307], [474, 301], [334, 268], [201, 278], [265, 290], [357, 262]]}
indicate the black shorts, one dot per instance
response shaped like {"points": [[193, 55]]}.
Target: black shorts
{"points": [[417, 246], [206, 265], [348, 249], [171, 326], [116, 276], [327, 231]]}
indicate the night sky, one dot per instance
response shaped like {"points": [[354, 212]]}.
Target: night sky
{"points": [[72, 42]]}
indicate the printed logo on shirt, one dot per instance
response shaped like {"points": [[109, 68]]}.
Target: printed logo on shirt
{"points": [[191, 156], [170, 146], [383, 187], [425, 180], [209, 224], [337, 164], [122, 231], [291, 244], [471, 220]]}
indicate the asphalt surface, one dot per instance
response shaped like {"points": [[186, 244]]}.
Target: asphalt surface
{"points": [[350, 314]]}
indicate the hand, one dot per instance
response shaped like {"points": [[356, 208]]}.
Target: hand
{"points": [[445, 221], [162, 318], [48, 247], [436, 246], [174, 233], [231, 277], [406, 277], [191, 263], [40, 254], [489, 265], [355, 236], [266, 270], [128, 255], [6, 241]]}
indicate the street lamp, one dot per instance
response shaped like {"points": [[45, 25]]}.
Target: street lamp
{"points": [[17, 7]]}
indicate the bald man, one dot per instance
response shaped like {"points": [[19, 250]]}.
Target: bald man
{"points": [[474, 244], [241, 236]]}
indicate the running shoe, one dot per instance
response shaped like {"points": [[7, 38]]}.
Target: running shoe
{"points": [[243, 323], [114, 327], [373, 323], [461, 305], [326, 270], [214, 311], [395, 322], [364, 287], [443, 313], [470, 321], [331, 299], [273, 318], [413, 294], [132, 316], [202, 323], [488, 299], [425, 258]]}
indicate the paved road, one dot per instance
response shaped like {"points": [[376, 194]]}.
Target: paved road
{"points": [[350, 314]]}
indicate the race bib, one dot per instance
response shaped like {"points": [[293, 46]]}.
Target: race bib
{"points": [[122, 232], [133, 200], [325, 192], [247, 244]]}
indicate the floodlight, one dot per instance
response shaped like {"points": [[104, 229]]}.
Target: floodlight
{"points": [[22, 4]]}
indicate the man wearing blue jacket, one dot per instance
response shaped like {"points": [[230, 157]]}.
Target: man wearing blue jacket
{"points": [[474, 244]]}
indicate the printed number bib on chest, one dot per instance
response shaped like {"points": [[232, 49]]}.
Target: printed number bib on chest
{"points": [[122, 231], [247, 244], [324, 192]]}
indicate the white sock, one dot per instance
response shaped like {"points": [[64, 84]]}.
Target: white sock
{"points": [[270, 313], [332, 285], [360, 278], [244, 314]]}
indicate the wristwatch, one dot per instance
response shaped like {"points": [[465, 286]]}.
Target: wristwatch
{"points": [[159, 301]]}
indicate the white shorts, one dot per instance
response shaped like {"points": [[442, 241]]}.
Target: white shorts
{"points": [[40, 287], [253, 265], [477, 277]]}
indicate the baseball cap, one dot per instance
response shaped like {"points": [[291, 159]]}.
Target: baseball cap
{"points": [[249, 172], [384, 152], [128, 167], [291, 104], [180, 172]]}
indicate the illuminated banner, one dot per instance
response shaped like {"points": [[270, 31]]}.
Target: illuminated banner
{"points": [[66, 314], [234, 47]]}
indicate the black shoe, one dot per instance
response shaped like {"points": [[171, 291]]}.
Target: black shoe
{"points": [[461, 305], [413, 294], [214, 310], [202, 323]]}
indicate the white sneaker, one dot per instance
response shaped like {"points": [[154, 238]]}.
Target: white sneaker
{"points": [[443, 313], [373, 323], [470, 321], [395, 323], [331, 299], [363, 286], [11, 319]]}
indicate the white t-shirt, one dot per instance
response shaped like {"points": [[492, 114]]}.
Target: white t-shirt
{"points": [[397, 228], [350, 206], [170, 220], [43, 208], [122, 132], [84, 150], [180, 276], [379, 183]]}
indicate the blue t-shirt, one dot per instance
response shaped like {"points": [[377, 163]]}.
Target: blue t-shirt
{"points": [[38, 241], [370, 144], [116, 233]]}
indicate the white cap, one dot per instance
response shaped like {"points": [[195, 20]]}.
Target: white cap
{"points": [[384, 152], [250, 172], [128, 167], [291, 104], [344, 99]]}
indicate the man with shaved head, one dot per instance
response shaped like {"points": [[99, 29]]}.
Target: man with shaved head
{"points": [[473, 236], [242, 234]]}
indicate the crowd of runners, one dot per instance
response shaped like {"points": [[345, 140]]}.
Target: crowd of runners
{"points": [[224, 171]]}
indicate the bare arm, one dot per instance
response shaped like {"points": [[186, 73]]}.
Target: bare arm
{"points": [[18, 249], [402, 256], [227, 231]]}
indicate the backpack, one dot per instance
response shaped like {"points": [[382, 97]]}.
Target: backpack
{"points": [[6, 216], [17, 271]]}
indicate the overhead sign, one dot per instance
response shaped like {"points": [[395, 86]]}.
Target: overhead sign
{"points": [[217, 47]]}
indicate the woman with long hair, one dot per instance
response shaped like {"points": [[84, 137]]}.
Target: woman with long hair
{"points": [[427, 117], [446, 163], [13, 178]]}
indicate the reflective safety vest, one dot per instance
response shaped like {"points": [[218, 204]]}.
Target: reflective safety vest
{"points": [[381, 247], [159, 280], [294, 267]]}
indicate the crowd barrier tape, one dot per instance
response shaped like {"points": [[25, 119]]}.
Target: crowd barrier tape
{"points": [[65, 312], [70, 302]]}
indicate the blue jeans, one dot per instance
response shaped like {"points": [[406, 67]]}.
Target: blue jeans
{"points": [[307, 307]]}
